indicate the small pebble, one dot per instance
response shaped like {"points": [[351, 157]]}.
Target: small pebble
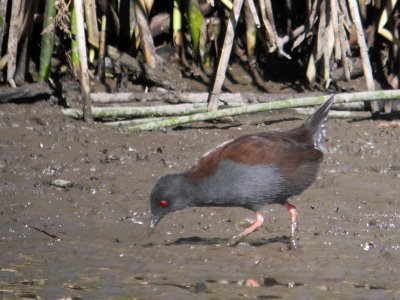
{"points": [[322, 287]]}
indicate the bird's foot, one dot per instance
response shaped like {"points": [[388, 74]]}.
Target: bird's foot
{"points": [[238, 238], [294, 236], [235, 240], [293, 243]]}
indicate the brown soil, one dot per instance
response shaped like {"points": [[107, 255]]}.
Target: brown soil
{"points": [[349, 218]]}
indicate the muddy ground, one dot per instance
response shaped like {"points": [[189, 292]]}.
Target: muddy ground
{"points": [[90, 240]]}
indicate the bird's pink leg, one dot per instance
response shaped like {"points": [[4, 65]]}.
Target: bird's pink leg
{"points": [[259, 221], [293, 219]]}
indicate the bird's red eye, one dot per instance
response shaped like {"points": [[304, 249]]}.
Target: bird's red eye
{"points": [[163, 203]]}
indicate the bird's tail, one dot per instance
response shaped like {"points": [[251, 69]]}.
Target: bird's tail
{"points": [[316, 123]]}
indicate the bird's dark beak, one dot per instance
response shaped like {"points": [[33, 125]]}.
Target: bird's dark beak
{"points": [[153, 223]]}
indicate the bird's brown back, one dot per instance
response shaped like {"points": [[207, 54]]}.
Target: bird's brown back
{"points": [[286, 150]]}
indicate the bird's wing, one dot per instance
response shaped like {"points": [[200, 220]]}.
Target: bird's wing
{"points": [[273, 148]]}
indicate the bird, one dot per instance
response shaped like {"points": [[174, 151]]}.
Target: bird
{"points": [[250, 172]]}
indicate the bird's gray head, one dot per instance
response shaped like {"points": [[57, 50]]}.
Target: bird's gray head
{"points": [[170, 193]]}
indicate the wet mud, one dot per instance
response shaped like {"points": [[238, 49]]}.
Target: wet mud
{"points": [[89, 240]]}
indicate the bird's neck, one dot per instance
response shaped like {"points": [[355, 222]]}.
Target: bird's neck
{"points": [[190, 191], [198, 194]]}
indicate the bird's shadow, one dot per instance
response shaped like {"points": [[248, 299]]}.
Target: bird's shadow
{"points": [[283, 239], [196, 240]]}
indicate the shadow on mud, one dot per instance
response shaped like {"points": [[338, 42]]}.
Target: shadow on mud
{"points": [[195, 240]]}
